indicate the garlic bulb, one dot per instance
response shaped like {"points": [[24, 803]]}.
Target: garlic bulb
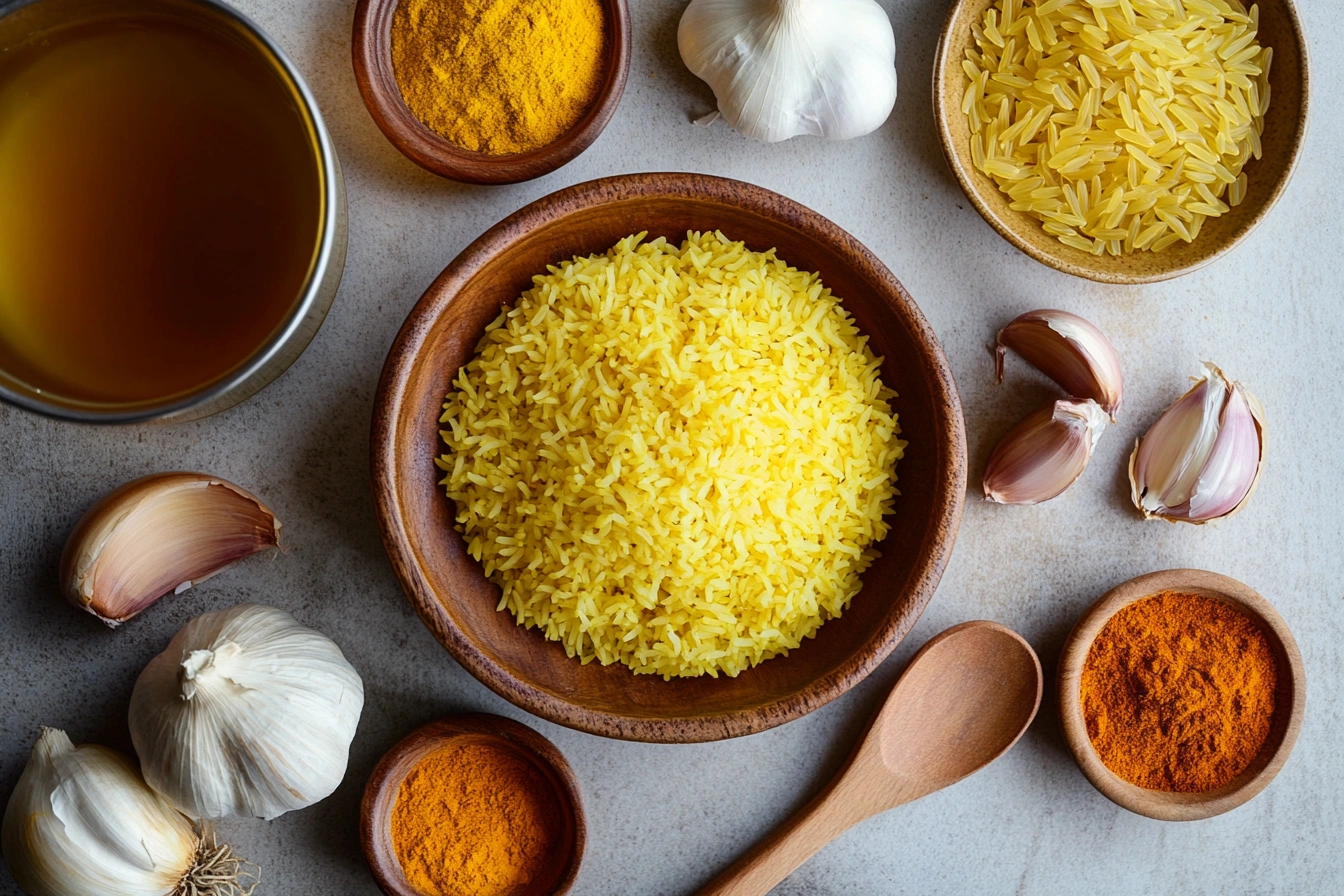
{"points": [[1202, 459], [1069, 350], [246, 713], [1045, 453], [81, 822], [780, 68], [159, 534]]}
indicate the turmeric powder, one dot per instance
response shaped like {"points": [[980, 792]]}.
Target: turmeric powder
{"points": [[1178, 692], [499, 76], [478, 820]]}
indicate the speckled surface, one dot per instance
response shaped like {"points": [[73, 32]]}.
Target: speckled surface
{"points": [[663, 819]]}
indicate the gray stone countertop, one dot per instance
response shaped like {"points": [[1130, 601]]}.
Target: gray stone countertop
{"points": [[664, 819]]}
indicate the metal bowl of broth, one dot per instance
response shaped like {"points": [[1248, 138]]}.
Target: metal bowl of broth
{"points": [[174, 222]]}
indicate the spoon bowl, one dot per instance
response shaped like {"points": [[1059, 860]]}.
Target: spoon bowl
{"points": [[964, 700]]}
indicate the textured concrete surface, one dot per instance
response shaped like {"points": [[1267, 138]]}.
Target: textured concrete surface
{"points": [[664, 819]]}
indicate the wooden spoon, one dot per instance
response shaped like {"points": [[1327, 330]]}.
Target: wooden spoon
{"points": [[965, 698]]}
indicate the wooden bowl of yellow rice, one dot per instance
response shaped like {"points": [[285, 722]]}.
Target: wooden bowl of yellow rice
{"points": [[1169, 104], [449, 589]]}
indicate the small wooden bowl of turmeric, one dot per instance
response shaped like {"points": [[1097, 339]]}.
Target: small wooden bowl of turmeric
{"points": [[1181, 694], [488, 98], [470, 804]]}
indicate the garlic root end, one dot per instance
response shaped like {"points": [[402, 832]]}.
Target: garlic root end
{"points": [[218, 871]]}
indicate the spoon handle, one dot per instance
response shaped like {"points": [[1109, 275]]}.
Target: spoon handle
{"points": [[844, 803]]}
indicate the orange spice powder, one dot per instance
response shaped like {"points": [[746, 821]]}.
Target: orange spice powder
{"points": [[477, 820], [1179, 691]]}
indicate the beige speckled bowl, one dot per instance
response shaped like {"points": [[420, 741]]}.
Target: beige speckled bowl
{"points": [[1285, 128]]}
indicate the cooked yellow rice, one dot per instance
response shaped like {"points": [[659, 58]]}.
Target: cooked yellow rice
{"points": [[1121, 124], [674, 458]]}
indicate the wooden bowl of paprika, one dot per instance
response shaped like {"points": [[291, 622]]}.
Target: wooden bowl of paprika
{"points": [[1181, 694], [514, 821], [491, 100]]}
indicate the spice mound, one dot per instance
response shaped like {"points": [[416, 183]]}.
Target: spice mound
{"points": [[499, 76], [478, 820], [1179, 691], [674, 457]]}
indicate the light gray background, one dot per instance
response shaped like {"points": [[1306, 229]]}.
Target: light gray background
{"points": [[664, 819]]}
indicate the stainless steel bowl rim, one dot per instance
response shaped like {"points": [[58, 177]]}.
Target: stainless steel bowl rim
{"points": [[311, 289]]}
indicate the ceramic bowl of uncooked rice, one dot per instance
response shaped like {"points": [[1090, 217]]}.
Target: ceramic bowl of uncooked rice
{"points": [[1126, 141], [668, 457]]}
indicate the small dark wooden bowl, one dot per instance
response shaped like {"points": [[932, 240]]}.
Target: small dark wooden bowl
{"points": [[380, 794], [1266, 178], [372, 49], [448, 588], [1287, 721]]}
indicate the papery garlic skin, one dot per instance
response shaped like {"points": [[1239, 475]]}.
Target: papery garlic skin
{"points": [[1070, 350], [158, 534], [782, 68], [1202, 459], [1044, 454], [81, 822], [247, 713]]}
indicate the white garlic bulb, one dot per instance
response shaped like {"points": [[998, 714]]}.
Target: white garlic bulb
{"points": [[81, 822], [780, 68], [246, 713]]}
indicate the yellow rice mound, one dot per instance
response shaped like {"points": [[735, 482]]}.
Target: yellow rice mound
{"points": [[677, 458], [1121, 124]]}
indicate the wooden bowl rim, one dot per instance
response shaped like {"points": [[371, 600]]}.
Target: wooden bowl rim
{"points": [[382, 96], [439, 733], [1163, 805], [1073, 261], [390, 405]]}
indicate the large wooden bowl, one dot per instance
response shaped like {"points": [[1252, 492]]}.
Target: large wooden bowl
{"points": [[448, 588], [371, 47], [1285, 130], [1284, 728]]}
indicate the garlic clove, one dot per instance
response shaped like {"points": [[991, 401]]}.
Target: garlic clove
{"points": [[1045, 453], [1203, 457], [1069, 350], [781, 68], [1178, 445], [159, 534], [1233, 468]]}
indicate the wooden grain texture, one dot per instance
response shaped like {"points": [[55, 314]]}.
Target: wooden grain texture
{"points": [[1284, 728], [380, 795], [448, 588], [963, 701], [371, 45], [1285, 130]]}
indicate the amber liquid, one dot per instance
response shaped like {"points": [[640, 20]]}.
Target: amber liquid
{"points": [[160, 206]]}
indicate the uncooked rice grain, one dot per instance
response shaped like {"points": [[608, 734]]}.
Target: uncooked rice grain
{"points": [[677, 458], [1120, 124]]}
